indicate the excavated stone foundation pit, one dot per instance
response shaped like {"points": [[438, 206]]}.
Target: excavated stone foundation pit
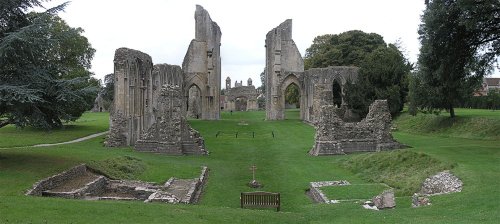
{"points": [[81, 183]]}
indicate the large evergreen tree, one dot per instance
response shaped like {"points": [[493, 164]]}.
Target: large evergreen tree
{"points": [[383, 68], [44, 76], [460, 42]]}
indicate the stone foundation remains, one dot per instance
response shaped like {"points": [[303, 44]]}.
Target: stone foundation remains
{"points": [[318, 196], [81, 183], [372, 134]]}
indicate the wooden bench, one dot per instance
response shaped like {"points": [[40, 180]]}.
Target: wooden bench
{"points": [[260, 199]]}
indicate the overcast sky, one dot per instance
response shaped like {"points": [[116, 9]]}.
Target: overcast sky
{"points": [[164, 28]]}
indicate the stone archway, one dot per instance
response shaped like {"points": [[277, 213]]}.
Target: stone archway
{"points": [[194, 102], [337, 93], [240, 103], [290, 79]]}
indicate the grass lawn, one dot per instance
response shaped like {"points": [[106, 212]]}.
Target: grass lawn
{"points": [[283, 165], [89, 123], [468, 123], [354, 191]]}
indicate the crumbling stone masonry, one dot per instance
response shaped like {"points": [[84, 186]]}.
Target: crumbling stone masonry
{"points": [[131, 112], [336, 137], [150, 103], [171, 133], [202, 64], [148, 108], [285, 66]]}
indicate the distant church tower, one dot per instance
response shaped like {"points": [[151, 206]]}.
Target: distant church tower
{"points": [[249, 82], [228, 83]]}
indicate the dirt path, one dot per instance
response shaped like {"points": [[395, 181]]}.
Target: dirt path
{"points": [[62, 143]]}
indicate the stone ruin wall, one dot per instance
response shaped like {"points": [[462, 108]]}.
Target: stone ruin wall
{"points": [[151, 101], [146, 97], [131, 111], [282, 55], [284, 66], [372, 134], [202, 64], [171, 133], [318, 89]]}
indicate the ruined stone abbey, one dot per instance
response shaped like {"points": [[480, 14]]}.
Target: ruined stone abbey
{"points": [[152, 101]]}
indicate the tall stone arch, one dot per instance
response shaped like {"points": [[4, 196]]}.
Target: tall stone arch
{"points": [[287, 81], [202, 63], [282, 58]]}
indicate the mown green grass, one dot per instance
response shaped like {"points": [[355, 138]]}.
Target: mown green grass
{"points": [[89, 123], [354, 192], [469, 123], [283, 165]]}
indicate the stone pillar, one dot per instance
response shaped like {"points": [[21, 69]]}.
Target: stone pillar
{"points": [[202, 63], [282, 56], [132, 89]]}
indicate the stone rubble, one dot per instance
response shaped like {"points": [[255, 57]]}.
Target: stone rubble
{"points": [[441, 183], [419, 200]]}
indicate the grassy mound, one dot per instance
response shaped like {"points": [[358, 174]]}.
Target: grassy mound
{"points": [[463, 126], [122, 167], [403, 170]]}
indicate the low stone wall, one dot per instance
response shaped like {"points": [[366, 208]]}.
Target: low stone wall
{"points": [[95, 187], [317, 195], [56, 180], [202, 181], [372, 134]]}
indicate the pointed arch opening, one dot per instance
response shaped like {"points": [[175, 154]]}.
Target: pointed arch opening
{"points": [[337, 93], [194, 102]]}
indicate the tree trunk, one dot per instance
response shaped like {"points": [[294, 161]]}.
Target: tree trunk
{"points": [[452, 111]]}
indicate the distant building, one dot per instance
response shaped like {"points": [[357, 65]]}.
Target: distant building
{"points": [[488, 84], [239, 97]]}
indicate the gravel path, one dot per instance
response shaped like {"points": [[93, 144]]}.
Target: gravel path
{"points": [[63, 143]]}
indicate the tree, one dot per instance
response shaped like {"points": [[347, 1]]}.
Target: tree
{"points": [[262, 87], [460, 42], [108, 90], [383, 68], [44, 77], [292, 95], [348, 48]]}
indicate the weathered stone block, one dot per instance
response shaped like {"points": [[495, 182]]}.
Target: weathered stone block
{"points": [[385, 200]]}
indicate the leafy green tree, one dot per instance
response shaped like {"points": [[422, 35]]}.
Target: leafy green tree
{"points": [[348, 48], [262, 87], [44, 77], [460, 42], [383, 68], [108, 90], [292, 95]]}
